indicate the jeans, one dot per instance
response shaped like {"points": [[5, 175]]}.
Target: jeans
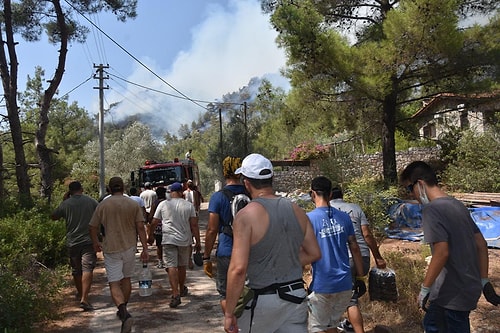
{"points": [[440, 320]]}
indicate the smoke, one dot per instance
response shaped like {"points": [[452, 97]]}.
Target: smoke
{"points": [[229, 47]]}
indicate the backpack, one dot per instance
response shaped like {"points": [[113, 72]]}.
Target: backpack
{"points": [[237, 202]]}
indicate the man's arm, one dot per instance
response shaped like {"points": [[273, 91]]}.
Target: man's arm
{"points": [[309, 250], [482, 253], [238, 265], [151, 236], [94, 231], [195, 231], [356, 255], [141, 231], [440, 255], [211, 233], [372, 244]]}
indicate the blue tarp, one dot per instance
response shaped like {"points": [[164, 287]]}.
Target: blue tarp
{"points": [[407, 218]]}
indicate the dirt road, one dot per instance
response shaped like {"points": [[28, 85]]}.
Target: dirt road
{"points": [[200, 308]]}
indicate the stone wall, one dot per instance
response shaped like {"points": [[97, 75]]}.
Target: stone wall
{"points": [[293, 175]]}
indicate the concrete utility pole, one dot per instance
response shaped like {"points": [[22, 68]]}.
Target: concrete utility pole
{"points": [[100, 76]]}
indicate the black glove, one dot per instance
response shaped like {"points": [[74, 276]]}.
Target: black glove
{"points": [[359, 287], [490, 294]]}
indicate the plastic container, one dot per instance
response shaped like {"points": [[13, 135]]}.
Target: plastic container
{"points": [[382, 285], [145, 281]]}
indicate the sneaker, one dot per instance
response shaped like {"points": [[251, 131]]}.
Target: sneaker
{"points": [[160, 264], [184, 292], [345, 326], [127, 324], [86, 306], [175, 301]]}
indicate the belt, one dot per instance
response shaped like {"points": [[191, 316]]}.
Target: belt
{"points": [[283, 288]]}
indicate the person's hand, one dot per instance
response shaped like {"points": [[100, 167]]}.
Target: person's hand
{"points": [[489, 292], [381, 264], [423, 296], [151, 239], [207, 267], [360, 286], [97, 247], [230, 323], [197, 247]]}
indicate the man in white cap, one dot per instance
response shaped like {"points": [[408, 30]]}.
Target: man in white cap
{"points": [[272, 240]]}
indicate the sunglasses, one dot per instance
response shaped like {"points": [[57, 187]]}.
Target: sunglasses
{"points": [[409, 188]]}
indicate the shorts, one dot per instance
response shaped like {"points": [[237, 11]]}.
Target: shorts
{"points": [[176, 256], [82, 258], [366, 269], [221, 276], [120, 265], [325, 310], [273, 314]]}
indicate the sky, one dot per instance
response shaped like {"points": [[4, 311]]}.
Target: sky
{"points": [[202, 48]]}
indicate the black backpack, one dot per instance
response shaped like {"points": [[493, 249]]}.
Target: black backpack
{"points": [[237, 202]]}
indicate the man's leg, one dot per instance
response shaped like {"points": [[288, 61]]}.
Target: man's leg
{"points": [[86, 282], [181, 270], [173, 278], [355, 318]]}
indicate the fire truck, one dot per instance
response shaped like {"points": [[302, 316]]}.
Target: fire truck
{"points": [[166, 173]]}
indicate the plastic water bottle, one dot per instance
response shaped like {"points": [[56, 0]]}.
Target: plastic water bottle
{"points": [[145, 281]]}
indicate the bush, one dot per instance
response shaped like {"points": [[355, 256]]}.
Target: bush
{"points": [[474, 164], [370, 195], [29, 244]]}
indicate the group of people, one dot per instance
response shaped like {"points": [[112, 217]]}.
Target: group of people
{"points": [[272, 239], [113, 226], [265, 246]]}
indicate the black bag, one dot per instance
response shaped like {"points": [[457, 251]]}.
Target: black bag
{"points": [[382, 285]]}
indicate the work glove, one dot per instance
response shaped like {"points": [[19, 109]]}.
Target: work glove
{"points": [[489, 292], [359, 286], [423, 296], [207, 267]]}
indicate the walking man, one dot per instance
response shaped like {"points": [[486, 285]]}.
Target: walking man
{"points": [[367, 243], [148, 196], [272, 240], [179, 225], [122, 220], [458, 270], [220, 218], [77, 210], [332, 283]]}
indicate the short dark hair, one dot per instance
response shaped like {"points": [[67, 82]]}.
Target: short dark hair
{"points": [[260, 183], [322, 186], [133, 191], [419, 170], [74, 187], [161, 192], [337, 193]]}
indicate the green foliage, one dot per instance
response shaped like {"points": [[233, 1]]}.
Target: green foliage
{"points": [[29, 245], [370, 195], [474, 163]]}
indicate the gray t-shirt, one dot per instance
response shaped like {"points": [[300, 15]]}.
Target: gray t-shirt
{"points": [[175, 215], [458, 285], [358, 219]]}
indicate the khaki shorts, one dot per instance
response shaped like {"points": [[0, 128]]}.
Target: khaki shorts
{"points": [[176, 256], [120, 265], [325, 310]]}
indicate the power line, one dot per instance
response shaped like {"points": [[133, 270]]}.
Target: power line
{"points": [[135, 58], [78, 86]]}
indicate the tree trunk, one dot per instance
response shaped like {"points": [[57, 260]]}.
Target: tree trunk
{"points": [[42, 151], [389, 141], [9, 81]]}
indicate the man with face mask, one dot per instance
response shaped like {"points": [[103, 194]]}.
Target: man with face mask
{"points": [[458, 270]]}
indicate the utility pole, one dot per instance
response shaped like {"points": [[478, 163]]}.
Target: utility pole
{"points": [[100, 76], [220, 136], [246, 128]]}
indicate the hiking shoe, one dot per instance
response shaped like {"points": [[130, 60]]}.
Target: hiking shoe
{"points": [[345, 326], [175, 301], [184, 292], [86, 306], [127, 324]]}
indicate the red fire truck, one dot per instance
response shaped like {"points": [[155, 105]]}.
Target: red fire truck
{"points": [[166, 173]]}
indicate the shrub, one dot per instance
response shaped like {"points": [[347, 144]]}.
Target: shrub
{"points": [[370, 195], [309, 150]]}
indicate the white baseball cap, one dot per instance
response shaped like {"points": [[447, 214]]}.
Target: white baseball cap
{"points": [[256, 166]]}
